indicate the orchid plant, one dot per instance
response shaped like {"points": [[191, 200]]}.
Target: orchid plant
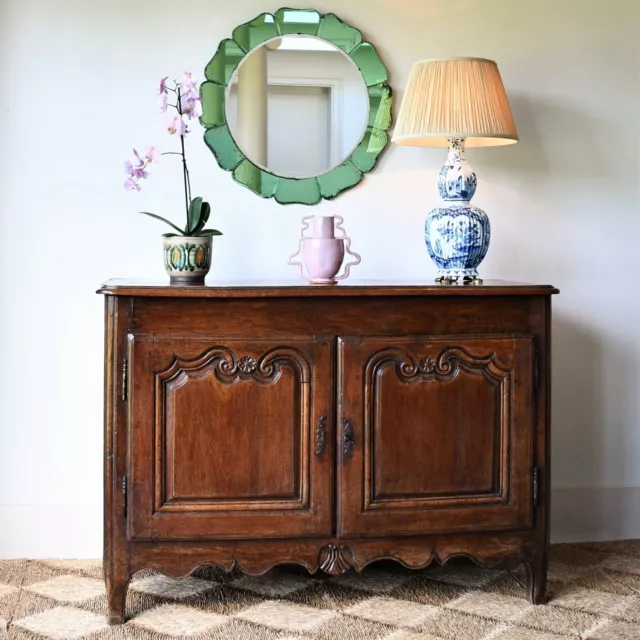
{"points": [[188, 107]]}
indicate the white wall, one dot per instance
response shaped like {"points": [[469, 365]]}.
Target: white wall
{"points": [[77, 92]]}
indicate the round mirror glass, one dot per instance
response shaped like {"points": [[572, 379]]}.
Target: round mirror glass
{"points": [[297, 106]]}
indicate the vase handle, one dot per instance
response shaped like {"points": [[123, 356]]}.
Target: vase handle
{"points": [[347, 249], [291, 261]]}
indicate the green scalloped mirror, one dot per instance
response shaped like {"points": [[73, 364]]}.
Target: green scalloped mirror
{"points": [[296, 105]]}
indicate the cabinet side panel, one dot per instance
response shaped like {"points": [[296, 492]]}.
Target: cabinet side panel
{"points": [[109, 444], [541, 326], [116, 548]]}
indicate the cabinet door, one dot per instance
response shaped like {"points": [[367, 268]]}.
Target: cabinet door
{"points": [[230, 438], [437, 434]]}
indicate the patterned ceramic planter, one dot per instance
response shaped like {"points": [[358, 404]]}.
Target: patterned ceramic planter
{"points": [[187, 260]]}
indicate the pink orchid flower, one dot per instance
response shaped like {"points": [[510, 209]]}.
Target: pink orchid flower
{"points": [[136, 168], [188, 82], [137, 161], [190, 105], [140, 174], [197, 107], [176, 125], [152, 154], [185, 100], [163, 94]]}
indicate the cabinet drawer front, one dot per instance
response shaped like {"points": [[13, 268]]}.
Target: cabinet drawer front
{"points": [[223, 437], [437, 434]]}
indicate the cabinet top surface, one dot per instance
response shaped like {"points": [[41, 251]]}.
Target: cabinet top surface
{"points": [[297, 288]]}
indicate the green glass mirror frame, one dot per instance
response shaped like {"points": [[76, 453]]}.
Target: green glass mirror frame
{"points": [[230, 157]]}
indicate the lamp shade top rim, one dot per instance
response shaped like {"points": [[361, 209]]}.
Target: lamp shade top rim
{"points": [[454, 59]]}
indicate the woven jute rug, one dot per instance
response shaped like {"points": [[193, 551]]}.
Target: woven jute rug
{"points": [[595, 593]]}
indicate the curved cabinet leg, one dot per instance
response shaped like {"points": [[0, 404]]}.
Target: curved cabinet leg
{"points": [[537, 578], [116, 598]]}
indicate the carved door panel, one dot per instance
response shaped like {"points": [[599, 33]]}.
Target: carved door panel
{"points": [[437, 434], [230, 438]]}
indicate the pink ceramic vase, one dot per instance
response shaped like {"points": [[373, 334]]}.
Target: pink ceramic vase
{"points": [[323, 253]]}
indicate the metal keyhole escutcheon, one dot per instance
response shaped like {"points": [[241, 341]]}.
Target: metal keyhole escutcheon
{"points": [[347, 439]]}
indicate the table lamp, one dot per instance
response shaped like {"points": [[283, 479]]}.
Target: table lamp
{"points": [[454, 103]]}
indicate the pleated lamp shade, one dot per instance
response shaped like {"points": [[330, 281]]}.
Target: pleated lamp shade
{"points": [[455, 98]]}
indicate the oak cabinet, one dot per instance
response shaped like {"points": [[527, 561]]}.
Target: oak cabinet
{"points": [[327, 426]]}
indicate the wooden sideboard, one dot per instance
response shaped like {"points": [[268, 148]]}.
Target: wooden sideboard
{"points": [[254, 424]]}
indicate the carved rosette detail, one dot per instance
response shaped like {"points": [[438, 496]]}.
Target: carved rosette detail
{"points": [[428, 365], [228, 368], [247, 364], [335, 559]]}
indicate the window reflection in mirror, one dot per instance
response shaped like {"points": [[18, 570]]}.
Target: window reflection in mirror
{"points": [[297, 106]]}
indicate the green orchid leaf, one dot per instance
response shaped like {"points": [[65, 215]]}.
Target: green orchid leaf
{"points": [[210, 232], [157, 217], [205, 212], [170, 235], [195, 209]]}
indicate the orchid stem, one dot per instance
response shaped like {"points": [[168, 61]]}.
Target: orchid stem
{"points": [[187, 186]]}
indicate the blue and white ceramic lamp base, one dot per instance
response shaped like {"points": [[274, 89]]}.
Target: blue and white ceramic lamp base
{"points": [[457, 234]]}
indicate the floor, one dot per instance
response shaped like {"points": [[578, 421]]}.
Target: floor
{"points": [[595, 593]]}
